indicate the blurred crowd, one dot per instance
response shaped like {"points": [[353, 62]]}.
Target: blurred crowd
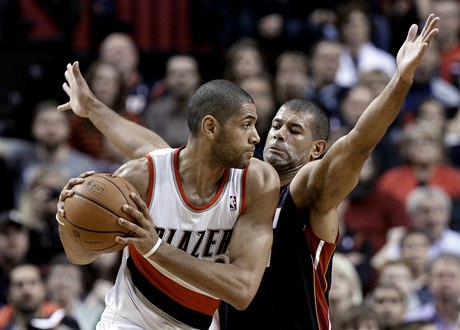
{"points": [[397, 264]]}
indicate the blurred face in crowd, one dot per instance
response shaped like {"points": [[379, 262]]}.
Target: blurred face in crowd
{"points": [[389, 302], [120, 50], [445, 280], [291, 78], [262, 93], [107, 83], [398, 274], [64, 282], [50, 127], [325, 62], [422, 144], [414, 250], [431, 216], [14, 244], [354, 104], [182, 76], [26, 291], [356, 30], [245, 63]]}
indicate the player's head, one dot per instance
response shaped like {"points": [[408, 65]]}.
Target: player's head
{"points": [[226, 115], [298, 135]]}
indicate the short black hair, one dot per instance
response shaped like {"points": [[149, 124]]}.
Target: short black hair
{"points": [[219, 98], [319, 123]]}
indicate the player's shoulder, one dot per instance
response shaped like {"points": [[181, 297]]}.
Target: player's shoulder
{"points": [[136, 172], [262, 173]]}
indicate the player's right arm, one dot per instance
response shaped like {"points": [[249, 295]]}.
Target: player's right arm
{"points": [[132, 139]]}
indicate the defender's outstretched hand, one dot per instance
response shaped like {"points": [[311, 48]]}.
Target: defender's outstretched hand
{"points": [[76, 87], [411, 53]]}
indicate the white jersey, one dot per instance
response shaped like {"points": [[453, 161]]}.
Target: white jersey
{"points": [[146, 294]]}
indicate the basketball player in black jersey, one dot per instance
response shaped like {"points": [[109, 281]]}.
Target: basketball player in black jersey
{"points": [[294, 291]]}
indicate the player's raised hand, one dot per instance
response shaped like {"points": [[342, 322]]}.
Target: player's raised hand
{"points": [[411, 53], [76, 87]]}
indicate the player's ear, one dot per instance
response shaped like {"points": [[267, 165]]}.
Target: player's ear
{"points": [[210, 126], [319, 146]]}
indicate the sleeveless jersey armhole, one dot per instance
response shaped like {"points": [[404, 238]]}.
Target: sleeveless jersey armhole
{"points": [[243, 189], [151, 180]]}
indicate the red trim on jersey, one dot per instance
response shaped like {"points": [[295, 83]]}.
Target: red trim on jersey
{"points": [[151, 179], [243, 189], [172, 289], [319, 276], [181, 189]]}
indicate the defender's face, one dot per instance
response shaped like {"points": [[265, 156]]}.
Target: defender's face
{"points": [[289, 142], [236, 142]]}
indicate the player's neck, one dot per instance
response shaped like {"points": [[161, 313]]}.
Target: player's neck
{"points": [[200, 180]]}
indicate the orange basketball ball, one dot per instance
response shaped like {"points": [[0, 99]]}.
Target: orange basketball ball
{"points": [[92, 212]]}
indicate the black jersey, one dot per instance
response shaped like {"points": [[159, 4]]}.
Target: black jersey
{"points": [[295, 287]]}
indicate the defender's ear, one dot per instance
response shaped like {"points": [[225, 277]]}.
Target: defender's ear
{"points": [[319, 147]]}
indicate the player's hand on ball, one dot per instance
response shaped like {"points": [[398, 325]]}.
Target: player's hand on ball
{"points": [[67, 192], [145, 233]]}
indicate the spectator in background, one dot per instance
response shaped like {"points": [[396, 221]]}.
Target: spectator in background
{"points": [[449, 38], [415, 247], [120, 49], [14, 246], [50, 130], [99, 277], [243, 59], [38, 208], [417, 325], [106, 82], [64, 286], [444, 283], [26, 299], [390, 303], [291, 76], [359, 54], [346, 288], [166, 114], [371, 213], [398, 272], [321, 87], [360, 317], [425, 164], [429, 208], [279, 25], [429, 85], [434, 112], [376, 80], [260, 88]]}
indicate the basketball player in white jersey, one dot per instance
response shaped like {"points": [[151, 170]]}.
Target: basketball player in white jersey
{"points": [[209, 200], [294, 295]]}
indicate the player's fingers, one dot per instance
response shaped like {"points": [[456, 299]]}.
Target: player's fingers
{"points": [[141, 219], [68, 75], [64, 107], [85, 174], [66, 88], [140, 204], [66, 193]]}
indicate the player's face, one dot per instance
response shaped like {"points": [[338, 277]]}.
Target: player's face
{"points": [[236, 142], [289, 142]]}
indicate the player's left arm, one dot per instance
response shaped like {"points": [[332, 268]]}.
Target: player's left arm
{"points": [[235, 281], [323, 184], [132, 139]]}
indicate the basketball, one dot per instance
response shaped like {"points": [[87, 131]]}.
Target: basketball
{"points": [[92, 212]]}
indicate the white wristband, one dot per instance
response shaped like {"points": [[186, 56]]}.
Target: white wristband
{"points": [[153, 249]]}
